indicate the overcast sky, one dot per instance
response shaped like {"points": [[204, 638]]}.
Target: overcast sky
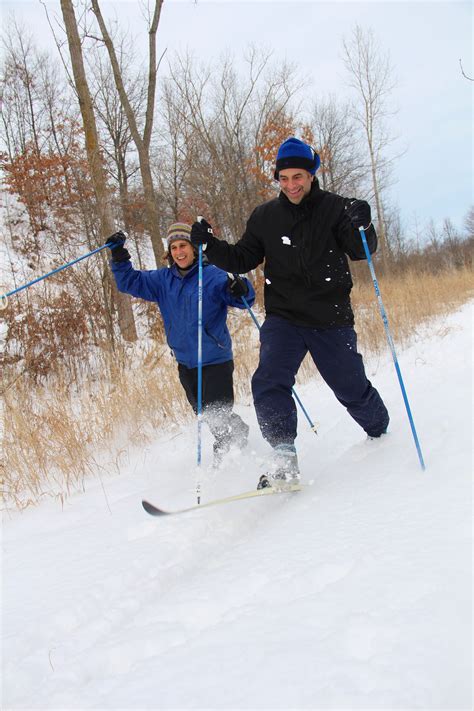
{"points": [[425, 40]]}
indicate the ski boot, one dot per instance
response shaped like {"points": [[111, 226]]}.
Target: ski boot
{"points": [[376, 436], [283, 471]]}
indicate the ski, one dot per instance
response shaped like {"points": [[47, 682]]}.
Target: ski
{"points": [[269, 491]]}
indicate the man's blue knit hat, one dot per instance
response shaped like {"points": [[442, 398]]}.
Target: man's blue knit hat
{"points": [[293, 153]]}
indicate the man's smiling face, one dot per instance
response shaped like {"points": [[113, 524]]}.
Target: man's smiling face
{"points": [[295, 183]]}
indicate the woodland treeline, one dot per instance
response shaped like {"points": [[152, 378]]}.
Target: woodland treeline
{"points": [[90, 144]]}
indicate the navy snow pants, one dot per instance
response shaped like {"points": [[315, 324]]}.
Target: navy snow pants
{"points": [[334, 352]]}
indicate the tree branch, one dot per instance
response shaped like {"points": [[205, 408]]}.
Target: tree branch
{"points": [[464, 73]]}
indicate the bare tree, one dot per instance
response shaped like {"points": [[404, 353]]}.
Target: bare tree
{"points": [[21, 65], [469, 222], [142, 142], [343, 168], [179, 147], [116, 138], [370, 74], [96, 166], [223, 118]]}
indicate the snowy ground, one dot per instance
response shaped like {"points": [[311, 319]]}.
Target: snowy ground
{"points": [[353, 594]]}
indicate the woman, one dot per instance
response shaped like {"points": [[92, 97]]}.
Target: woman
{"points": [[175, 290]]}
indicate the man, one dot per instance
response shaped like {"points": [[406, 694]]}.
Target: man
{"points": [[304, 236], [175, 290]]}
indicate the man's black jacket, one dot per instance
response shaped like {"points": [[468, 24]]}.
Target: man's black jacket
{"points": [[307, 276]]}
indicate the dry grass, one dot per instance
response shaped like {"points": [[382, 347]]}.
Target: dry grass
{"points": [[55, 436], [411, 302]]}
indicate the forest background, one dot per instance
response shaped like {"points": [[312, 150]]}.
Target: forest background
{"points": [[90, 144]]}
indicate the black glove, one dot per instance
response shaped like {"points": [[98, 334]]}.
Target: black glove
{"points": [[201, 233], [237, 286], [358, 212], [115, 243]]}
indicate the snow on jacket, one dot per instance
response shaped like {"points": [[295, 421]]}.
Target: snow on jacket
{"points": [[307, 275], [177, 297]]}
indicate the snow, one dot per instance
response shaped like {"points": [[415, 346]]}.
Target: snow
{"points": [[353, 594]]}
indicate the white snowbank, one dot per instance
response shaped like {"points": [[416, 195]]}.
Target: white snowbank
{"points": [[353, 594]]}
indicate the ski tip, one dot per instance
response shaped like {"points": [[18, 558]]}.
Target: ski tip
{"points": [[152, 510]]}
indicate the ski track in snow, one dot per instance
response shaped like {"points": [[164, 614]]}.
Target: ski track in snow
{"points": [[352, 594]]}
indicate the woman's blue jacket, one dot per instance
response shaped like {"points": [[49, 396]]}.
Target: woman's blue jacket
{"points": [[177, 297]]}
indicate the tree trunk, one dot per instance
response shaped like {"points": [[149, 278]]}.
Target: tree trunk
{"points": [[142, 143], [98, 176]]}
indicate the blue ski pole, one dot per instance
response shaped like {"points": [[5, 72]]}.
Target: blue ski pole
{"points": [[392, 345], [295, 395], [199, 383], [4, 297]]}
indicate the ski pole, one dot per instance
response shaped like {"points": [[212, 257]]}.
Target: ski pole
{"points": [[4, 297], [199, 383], [295, 395], [383, 313]]}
